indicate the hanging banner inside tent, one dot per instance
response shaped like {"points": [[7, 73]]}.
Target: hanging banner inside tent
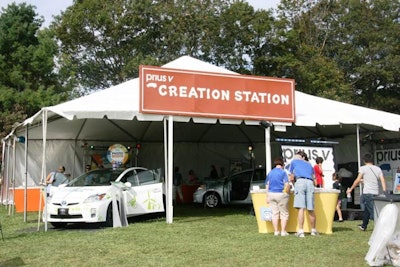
{"points": [[326, 153], [389, 161], [204, 94]]}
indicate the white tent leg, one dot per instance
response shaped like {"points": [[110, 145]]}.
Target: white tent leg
{"points": [[268, 149], [12, 205], [358, 153], [26, 174], [6, 182], [167, 196], [3, 156], [170, 167], [43, 176]]}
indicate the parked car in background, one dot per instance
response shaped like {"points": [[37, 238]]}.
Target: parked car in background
{"points": [[89, 198], [233, 189]]}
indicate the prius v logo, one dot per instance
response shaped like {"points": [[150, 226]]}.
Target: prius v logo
{"points": [[152, 79]]}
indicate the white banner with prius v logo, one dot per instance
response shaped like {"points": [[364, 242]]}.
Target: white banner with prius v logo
{"points": [[326, 153]]}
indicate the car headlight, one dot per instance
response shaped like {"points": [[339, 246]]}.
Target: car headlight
{"points": [[94, 198]]}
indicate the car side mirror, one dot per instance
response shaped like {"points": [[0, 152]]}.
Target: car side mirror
{"points": [[128, 185]]}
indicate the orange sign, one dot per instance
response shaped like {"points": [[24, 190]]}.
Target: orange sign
{"points": [[205, 94]]}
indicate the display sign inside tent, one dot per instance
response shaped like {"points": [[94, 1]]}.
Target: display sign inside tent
{"points": [[326, 153], [204, 94]]}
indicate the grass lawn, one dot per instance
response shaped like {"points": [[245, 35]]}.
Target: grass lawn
{"points": [[226, 236]]}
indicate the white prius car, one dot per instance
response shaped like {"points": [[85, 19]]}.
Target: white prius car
{"points": [[89, 197]]}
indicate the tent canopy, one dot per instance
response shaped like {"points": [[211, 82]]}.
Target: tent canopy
{"points": [[113, 114]]}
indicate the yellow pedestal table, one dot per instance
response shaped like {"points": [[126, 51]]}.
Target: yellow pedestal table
{"points": [[325, 206]]}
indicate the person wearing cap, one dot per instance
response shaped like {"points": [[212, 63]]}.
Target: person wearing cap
{"points": [[302, 172]]}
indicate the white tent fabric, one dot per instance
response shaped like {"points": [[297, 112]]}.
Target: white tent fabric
{"points": [[329, 112], [121, 102], [112, 115]]}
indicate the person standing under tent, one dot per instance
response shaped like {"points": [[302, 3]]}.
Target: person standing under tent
{"points": [[302, 172], [213, 173], [192, 179], [88, 168], [370, 175], [177, 185], [277, 186], [89, 178], [319, 174], [337, 184], [55, 178]]}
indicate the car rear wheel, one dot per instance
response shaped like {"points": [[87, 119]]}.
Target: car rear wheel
{"points": [[212, 200]]}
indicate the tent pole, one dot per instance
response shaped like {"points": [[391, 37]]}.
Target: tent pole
{"points": [[7, 178], [26, 174], [170, 166], [43, 176], [11, 206], [268, 149], [3, 153], [359, 153], [358, 146], [167, 196], [44, 165]]}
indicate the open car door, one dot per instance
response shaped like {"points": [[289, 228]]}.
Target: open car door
{"points": [[146, 193]]}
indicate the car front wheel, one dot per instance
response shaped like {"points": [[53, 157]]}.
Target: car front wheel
{"points": [[110, 217], [212, 200], [59, 224]]}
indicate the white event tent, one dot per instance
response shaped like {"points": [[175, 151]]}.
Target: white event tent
{"points": [[110, 116]]}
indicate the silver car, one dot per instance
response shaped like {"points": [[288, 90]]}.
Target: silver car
{"points": [[233, 189]]}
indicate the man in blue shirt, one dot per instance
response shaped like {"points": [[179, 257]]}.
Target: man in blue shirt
{"points": [[302, 172]]}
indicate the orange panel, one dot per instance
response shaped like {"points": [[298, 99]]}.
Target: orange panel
{"points": [[33, 198]]}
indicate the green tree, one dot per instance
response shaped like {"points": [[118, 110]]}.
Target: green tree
{"points": [[366, 47], [28, 80], [343, 50], [235, 39], [298, 50], [103, 43]]}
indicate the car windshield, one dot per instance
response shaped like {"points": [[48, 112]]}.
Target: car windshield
{"points": [[97, 177]]}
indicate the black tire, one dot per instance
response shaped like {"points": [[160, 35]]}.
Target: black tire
{"points": [[164, 213], [109, 217], [58, 225], [212, 200]]}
